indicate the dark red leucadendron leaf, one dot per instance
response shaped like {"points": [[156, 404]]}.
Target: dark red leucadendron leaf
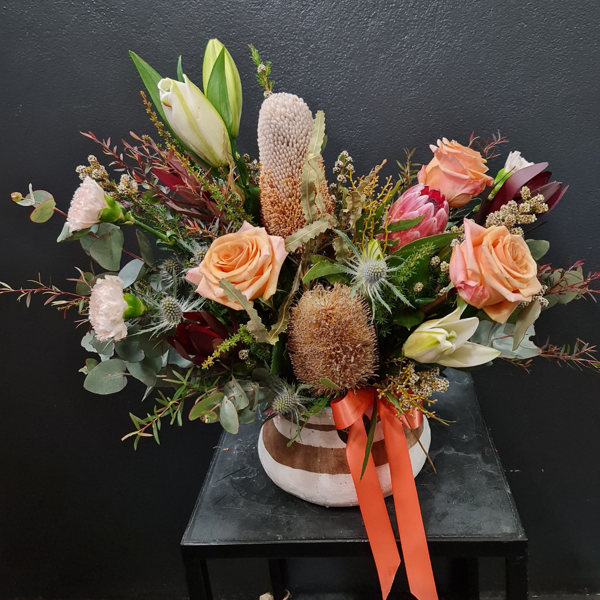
{"points": [[195, 342], [168, 179], [535, 178]]}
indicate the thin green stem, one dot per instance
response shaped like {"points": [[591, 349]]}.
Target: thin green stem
{"points": [[153, 231]]}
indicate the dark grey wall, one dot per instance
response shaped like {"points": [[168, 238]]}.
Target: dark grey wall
{"points": [[81, 514]]}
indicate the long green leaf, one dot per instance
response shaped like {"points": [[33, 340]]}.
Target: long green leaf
{"points": [[405, 224], [255, 325], [180, 70], [436, 241], [311, 172], [321, 269], [216, 90], [370, 439], [308, 232], [284, 312], [150, 79]]}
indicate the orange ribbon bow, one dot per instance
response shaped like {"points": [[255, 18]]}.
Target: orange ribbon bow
{"points": [[348, 413]]}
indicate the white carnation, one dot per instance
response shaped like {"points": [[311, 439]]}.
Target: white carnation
{"points": [[87, 204], [107, 307], [515, 162]]}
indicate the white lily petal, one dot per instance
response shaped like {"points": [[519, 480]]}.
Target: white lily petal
{"points": [[469, 355], [195, 120]]}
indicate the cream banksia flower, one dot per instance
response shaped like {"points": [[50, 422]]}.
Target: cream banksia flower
{"points": [[107, 309], [332, 337], [285, 125]]}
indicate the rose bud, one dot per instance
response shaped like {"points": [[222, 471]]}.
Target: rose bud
{"points": [[457, 171]]}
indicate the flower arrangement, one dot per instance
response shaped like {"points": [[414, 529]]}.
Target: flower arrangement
{"points": [[256, 283]]}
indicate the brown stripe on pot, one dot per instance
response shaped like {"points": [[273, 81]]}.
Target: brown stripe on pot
{"points": [[317, 458]]}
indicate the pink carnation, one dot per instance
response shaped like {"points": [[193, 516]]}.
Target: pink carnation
{"points": [[86, 206], [107, 307]]}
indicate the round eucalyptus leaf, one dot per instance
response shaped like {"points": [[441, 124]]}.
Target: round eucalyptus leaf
{"points": [[228, 416], [106, 378]]}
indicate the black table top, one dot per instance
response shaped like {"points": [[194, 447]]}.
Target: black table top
{"points": [[241, 512]]}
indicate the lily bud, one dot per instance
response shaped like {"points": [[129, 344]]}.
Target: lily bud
{"points": [[445, 342], [195, 120], [232, 77]]}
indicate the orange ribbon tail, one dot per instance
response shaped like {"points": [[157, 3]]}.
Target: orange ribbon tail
{"points": [[348, 413]]}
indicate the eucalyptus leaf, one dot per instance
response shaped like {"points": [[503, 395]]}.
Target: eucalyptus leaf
{"points": [[107, 249], [538, 248], [247, 416], [67, 236], [129, 349], [106, 378], [228, 416], [145, 247], [102, 348], [130, 272], [44, 211], [527, 316], [409, 320], [205, 405], [176, 359], [146, 370]]}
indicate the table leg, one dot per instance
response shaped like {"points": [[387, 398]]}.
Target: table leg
{"points": [[278, 573], [196, 574], [516, 578], [465, 577]]}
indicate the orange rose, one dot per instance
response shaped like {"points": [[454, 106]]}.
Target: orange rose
{"points": [[494, 270], [250, 259], [457, 171]]}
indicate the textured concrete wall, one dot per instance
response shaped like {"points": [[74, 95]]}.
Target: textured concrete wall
{"points": [[81, 515]]}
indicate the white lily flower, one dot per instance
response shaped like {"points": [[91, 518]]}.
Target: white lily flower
{"points": [[515, 162], [445, 342], [195, 120]]}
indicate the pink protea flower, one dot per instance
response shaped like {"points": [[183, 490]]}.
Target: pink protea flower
{"points": [[419, 200]]}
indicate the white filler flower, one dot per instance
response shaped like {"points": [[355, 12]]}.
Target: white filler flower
{"points": [[107, 307], [87, 205]]}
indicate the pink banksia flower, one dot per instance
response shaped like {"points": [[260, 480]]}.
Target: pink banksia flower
{"points": [[419, 200]]}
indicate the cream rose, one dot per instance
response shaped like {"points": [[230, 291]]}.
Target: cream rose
{"points": [[250, 259], [493, 270]]}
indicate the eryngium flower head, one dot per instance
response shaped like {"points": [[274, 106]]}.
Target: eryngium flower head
{"points": [[284, 128], [332, 337]]}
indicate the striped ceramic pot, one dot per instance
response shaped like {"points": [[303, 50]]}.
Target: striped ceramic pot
{"points": [[315, 468]]}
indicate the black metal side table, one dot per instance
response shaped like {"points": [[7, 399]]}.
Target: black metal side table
{"points": [[467, 508]]}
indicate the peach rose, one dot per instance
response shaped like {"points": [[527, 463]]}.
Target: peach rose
{"points": [[457, 171], [494, 270], [250, 259]]}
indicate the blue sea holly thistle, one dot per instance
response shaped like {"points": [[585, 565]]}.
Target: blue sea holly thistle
{"points": [[370, 271]]}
